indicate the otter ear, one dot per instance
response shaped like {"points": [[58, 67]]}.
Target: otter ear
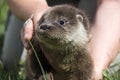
{"points": [[79, 17]]}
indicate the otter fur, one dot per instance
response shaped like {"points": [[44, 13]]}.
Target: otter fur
{"points": [[60, 40]]}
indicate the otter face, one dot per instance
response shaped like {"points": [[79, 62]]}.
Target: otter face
{"points": [[61, 24]]}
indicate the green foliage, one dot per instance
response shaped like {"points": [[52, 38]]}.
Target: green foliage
{"points": [[3, 15], [106, 76], [16, 74], [109, 76], [19, 72]]}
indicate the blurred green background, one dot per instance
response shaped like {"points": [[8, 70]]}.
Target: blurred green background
{"points": [[3, 16]]}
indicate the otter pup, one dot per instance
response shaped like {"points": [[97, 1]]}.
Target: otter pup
{"points": [[60, 40]]}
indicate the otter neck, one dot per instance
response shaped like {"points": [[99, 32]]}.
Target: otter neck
{"points": [[61, 59]]}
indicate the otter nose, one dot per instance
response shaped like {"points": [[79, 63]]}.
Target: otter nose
{"points": [[44, 27]]}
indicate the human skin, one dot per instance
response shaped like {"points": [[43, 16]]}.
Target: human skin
{"points": [[104, 42], [25, 8]]}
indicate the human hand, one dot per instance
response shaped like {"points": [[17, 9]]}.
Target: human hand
{"points": [[28, 28], [97, 70], [97, 75]]}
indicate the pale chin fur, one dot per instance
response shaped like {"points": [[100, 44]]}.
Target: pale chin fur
{"points": [[80, 36]]}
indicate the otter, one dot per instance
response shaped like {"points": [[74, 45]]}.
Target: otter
{"points": [[60, 40]]}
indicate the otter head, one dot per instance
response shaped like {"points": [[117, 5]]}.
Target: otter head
{"points": [[62, 24]]}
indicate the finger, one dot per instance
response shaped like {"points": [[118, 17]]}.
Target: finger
{"points": [[22, 35], [22, 38], [36, 17], [28, 30]]}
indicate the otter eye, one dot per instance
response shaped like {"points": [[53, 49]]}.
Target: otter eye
{"points": [[61, 22]]}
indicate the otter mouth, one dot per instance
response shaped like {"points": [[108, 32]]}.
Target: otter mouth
{"points": [[52, 42], [46, 38]]}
